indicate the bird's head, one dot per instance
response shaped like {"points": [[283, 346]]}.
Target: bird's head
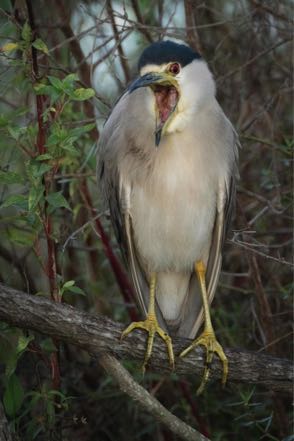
{"points": [[181, 83]]}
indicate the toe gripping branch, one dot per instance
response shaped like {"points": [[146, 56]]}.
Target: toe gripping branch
{"points": [[207, 338], [151, 326]]}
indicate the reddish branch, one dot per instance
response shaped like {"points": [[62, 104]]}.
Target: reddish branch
{"points": [[51, 269]]}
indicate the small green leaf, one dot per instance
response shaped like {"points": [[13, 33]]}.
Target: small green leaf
{"points": [[68, 284], [76, 290], [7, 177], [82, 94], [35, 196], [26, 32], [44, 157], [15, 132], [56, 82], [70, 79], [78, 131], [41, 46], [13, 396], [43, 89], [23, 342], [16, 200], [57, 200]]}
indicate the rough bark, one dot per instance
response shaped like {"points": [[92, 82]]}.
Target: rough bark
{"points": [[98, 334]]}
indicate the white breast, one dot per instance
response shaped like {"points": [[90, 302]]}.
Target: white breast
{"points": [[173, 211]]}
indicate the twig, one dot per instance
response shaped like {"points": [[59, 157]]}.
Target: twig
{"points": [[253, 250], [120, 50], [253, 59], [140, 19], [98, 334], [192, 33], [147, 401]]}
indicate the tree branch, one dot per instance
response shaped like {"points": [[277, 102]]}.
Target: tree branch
{"points": [[98, 334], [128, 385]]}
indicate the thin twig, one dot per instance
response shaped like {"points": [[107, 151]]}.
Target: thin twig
{"points": [[122, 57]]}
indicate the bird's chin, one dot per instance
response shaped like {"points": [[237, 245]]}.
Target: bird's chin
{"points": [[166, 100]]}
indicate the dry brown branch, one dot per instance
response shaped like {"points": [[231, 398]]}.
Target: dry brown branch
{"points": [[98, 334], [192, 33]]}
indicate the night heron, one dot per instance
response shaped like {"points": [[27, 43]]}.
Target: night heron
{"points": [[166, 166]]}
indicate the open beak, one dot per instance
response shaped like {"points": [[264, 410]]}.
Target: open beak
{"points": [[165, 88]]}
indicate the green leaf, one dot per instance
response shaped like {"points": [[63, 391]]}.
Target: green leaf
{"points": [[36, 169], [68, 284], [43, 89], [13, 396], [21, 237], [78, 131], [35, 196], [23, 342], [15, 132], [44, 157], [11, 363], [70, 79], [26, 32], [76, 290], [7, 177], [16, 200], [82, 94], [57, 200], [56, 82], [6, 5], [41, 46]]}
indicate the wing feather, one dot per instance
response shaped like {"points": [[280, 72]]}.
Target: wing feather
{"points": [[192, 312]]}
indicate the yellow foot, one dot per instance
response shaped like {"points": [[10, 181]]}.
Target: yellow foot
{"points": [[207, 339], [152, 327]]}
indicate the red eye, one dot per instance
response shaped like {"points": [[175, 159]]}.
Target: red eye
{"points": [[174, 68]]}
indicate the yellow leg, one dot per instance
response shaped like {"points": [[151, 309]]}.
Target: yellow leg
{"points": [[152, 327], [207, 338]]}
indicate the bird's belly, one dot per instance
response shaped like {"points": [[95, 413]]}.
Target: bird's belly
{"points": [[172, 223]]}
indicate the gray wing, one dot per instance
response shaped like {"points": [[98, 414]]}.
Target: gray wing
{"points": [[193, 313], [115, 192]]}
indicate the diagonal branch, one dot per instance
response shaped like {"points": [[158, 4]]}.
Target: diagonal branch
{"points": [[128, 385], [97, 334]]}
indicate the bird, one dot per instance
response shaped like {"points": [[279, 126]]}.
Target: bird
{"points": [[166, 167]]}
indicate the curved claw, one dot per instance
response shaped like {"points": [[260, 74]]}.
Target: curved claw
{"points": [[208, 339], [151, 326]]}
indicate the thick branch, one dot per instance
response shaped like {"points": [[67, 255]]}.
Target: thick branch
{"points": [[97, 334]]}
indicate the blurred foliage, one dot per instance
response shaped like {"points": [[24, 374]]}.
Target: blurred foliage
{"points": [[48, 111]]}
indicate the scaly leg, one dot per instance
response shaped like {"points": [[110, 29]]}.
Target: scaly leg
{"points": [[207, 338], [151, 326]]}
